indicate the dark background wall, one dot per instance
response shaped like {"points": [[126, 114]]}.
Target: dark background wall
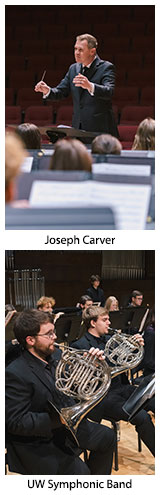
{"points": [[67, 274]]}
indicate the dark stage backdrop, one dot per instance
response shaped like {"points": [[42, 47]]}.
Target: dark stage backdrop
{"points": [[65, 275]]}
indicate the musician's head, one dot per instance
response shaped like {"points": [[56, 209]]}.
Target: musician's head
{"points": [[111, 304], [85, 49], [85, 301], [95, 281], [136, 298], [46, 304], [96, 320], [34, 330], [71, 154], [14, 158], [106, 144], [145, 135], [30, 135]]}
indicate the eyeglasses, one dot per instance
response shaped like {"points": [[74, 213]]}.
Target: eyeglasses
{"points": [[48, 335]]}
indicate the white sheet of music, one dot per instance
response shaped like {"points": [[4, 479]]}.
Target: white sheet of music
{"points": [[129, 201], [118, 169], [27, 164]]}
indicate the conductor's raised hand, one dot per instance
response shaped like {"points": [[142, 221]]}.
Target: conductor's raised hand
{"points": [[82, 82], [42, 87]]}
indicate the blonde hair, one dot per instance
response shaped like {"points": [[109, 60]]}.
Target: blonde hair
{"points": [[14, 156], [93, 313], [44, 300], [109, 302], [145, 135]]}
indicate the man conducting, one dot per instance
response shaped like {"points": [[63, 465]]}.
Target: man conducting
{"points": [[38, 441], [91, 82], [97, 323]]}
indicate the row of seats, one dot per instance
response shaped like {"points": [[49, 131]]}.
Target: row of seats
{"points": [[57, 14], [39, 31], [28, 78], [43, 115], [123, 96], [51, 61], [112, 44]]}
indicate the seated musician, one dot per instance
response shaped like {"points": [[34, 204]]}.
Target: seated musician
{"points": [[47, 304], [97, 322], [38, 441], [15, 155]]}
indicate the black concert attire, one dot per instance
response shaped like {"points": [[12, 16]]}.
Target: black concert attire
{"points": [[97, 295], [37, 442], [112, 405], [90, 113]]}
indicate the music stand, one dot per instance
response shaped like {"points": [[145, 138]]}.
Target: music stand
{"points": [[55, 133], [127, 319]]}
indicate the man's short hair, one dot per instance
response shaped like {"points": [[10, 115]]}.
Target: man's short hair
{"points": [[136, 293], [93, 313], [91, 40], [45, 300], [85, 298], [28, 322], [95, 278]]}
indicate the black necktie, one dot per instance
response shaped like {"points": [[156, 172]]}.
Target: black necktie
{"points": [[84, 70]]}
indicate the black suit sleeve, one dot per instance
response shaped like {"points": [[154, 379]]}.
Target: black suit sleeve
{"points": [[21, 419], [106, 88]]}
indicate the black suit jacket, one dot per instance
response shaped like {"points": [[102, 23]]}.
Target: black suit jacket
{"points": [[91, 113], [33, 434]]}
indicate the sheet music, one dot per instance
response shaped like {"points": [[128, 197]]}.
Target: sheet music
{"points": [[129, 202], [27, 164], [121, 169]]}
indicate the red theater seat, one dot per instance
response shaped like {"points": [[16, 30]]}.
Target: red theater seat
{"points": [[27, 97], [147, 96], [9, 96], [64, 115], [132, 27], [13, 114], [39, 115], [126, 135], [125, 96], [135, 114], [22, 79], [140, 77]]}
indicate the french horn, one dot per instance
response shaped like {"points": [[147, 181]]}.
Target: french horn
{"points": [[87, 379]]}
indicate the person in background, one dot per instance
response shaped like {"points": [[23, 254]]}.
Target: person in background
{"points": [[70, 154], [111, 304], [136, 298], [91, 82], [14, 157], [106, 144], [145, 135], [46, 304], [84, 302], [94, 291], [30, 135]]}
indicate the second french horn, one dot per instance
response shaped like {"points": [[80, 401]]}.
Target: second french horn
{"points": [[87, 379]]}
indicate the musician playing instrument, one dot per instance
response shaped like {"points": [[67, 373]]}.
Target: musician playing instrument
{"points": [[97, 323], [38, 441]]}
